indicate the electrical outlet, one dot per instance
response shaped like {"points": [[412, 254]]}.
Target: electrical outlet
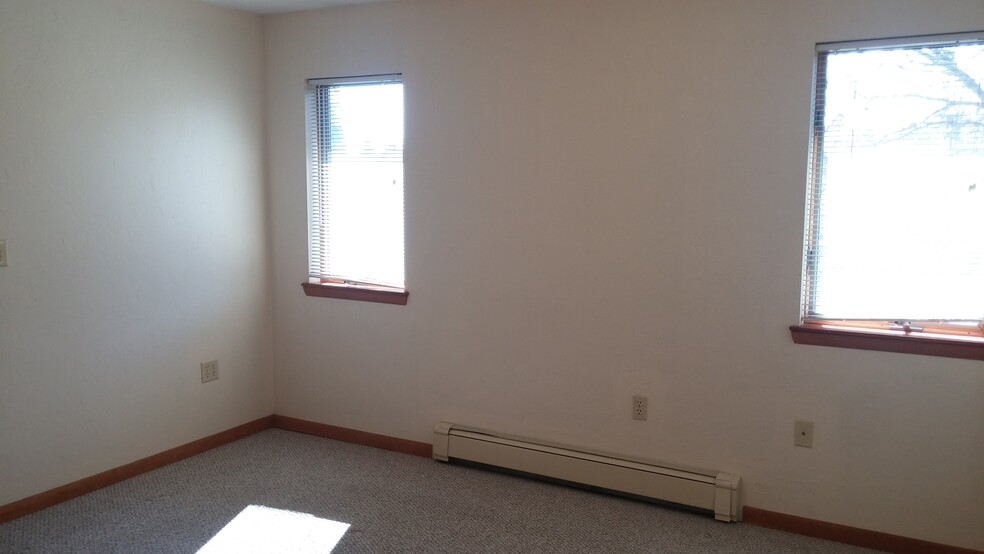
{"points": [[803, 433], [640, 407], [3, 253], [210, 371]]}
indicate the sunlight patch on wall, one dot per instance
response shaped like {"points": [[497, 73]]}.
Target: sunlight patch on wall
{"points": [[258, 529]]}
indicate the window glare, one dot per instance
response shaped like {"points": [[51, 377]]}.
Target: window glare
{"points": [[901, 197], [357, 215]]}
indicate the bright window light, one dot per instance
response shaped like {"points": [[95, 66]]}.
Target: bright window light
{"points": [[356, 180], [262, 530], [897, 184]]}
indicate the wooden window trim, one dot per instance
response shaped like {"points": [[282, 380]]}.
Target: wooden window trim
{"points": [[967, 348], [362, 293]]}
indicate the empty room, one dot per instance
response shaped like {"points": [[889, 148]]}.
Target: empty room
{"points": [[649, 275]]}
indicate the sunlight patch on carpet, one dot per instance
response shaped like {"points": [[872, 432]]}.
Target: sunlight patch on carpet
{"points": [[261, 530]]}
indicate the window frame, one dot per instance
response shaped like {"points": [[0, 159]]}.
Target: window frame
{"points": [[963, 340], [329, 286]]}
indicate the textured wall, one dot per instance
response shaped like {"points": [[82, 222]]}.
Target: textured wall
{"points": [[606, 198], [133, 205]]}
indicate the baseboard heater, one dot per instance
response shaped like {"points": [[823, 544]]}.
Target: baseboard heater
{"points": [[705, 490]]}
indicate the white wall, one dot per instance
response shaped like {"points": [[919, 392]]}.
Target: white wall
{"points": [[605, 197], [132, 200]]}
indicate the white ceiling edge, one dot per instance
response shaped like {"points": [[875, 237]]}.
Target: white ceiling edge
{"points": [[283, 6]]}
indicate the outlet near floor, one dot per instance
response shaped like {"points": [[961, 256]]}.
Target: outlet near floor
{"points": [[640, 407], [210, 371]]}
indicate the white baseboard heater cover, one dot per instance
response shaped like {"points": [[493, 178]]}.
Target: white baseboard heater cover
{"points": [[706, 490]]}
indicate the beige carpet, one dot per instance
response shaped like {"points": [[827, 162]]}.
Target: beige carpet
{"points": [[279, 491]]}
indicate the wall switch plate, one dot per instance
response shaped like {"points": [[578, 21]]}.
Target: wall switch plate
{"points": [[210, 371], [3, 253], [640, 407], [803, 433]]}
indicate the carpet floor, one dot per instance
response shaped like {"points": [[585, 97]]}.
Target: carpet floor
{"points": [[279, 491]]}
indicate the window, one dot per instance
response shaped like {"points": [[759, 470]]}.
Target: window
{"points": [[894, 244], [355, 197]]}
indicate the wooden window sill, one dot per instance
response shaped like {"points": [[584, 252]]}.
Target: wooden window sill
{"points": [[362, 293], [970, 348]]}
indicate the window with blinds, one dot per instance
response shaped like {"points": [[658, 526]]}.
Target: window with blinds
{"points": [[355, 142], [895, 214]]}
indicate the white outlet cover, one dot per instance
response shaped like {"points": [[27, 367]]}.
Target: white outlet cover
{"points": [[640, 407], [210, 371]]}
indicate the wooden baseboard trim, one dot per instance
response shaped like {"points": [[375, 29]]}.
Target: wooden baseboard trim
{"points": [[75, 489], [845, 534], [352, 435]]}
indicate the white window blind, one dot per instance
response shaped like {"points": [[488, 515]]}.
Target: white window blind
{"points": [[895, 215], [355, 135]]}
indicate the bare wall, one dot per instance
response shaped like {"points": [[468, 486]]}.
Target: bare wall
{"points": [[132, 200], [606, 198]]}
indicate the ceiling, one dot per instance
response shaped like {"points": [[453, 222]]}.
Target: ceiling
{"points": [[282, 6]]}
